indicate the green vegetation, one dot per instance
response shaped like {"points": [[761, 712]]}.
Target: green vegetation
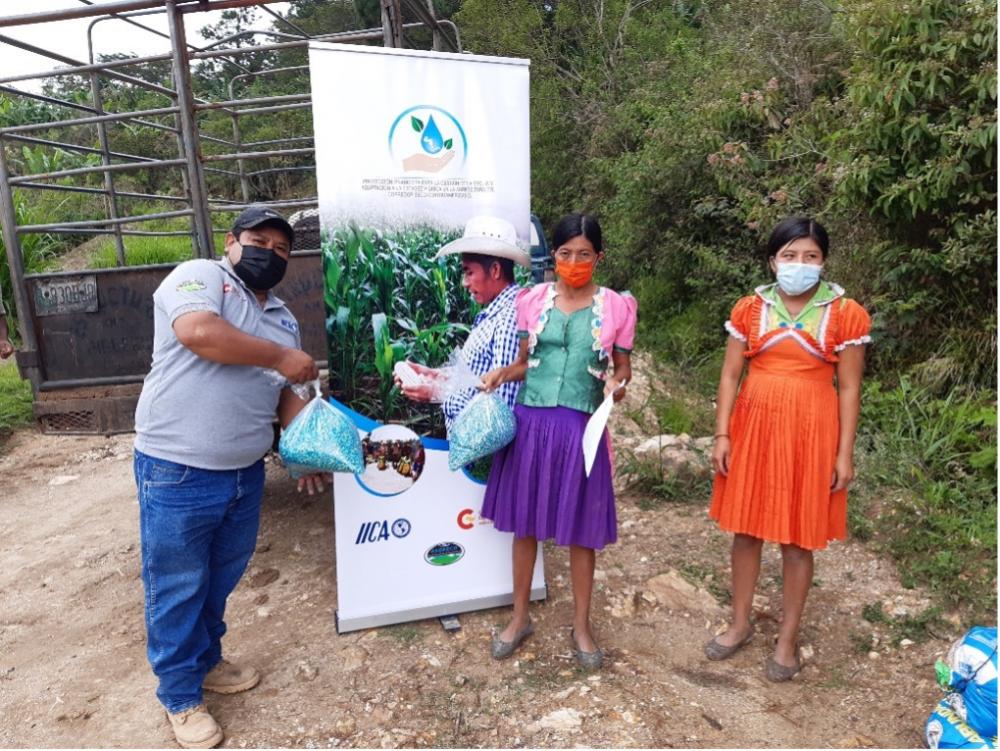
{"points": [[917, 628], [15, 399], [144, 250], [941, 452], [674, 406], [39, 251], [863, 643], [405, 633], [702, 576], [654, 486]]}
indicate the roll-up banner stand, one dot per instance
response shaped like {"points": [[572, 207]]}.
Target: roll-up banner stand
{"points": [[409, 146]]}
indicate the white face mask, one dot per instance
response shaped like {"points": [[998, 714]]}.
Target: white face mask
{"points": [[797, 278]]}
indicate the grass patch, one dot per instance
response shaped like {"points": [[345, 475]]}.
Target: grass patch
{"points": [[679, 411], [534, 678], [683, 414], [862, 643], [653, 486], [917, 628], [15, 399], [873, 613], [835, 678], [863, 499], [38, 253], [933, 457], [706, 578], [148, 250], [404, 633]]}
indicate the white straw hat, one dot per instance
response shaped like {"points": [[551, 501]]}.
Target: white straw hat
{"points": [[488, 236]]}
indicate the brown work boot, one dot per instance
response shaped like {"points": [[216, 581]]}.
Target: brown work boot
{"points": [[195, 728], [227, 678]]}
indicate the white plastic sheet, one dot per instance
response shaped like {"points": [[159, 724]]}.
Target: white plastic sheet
{"points": [[594, 431]]}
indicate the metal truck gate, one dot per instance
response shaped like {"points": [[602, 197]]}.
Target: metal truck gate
{"points": [[86, 336]]}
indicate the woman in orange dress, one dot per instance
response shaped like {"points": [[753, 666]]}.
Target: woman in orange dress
{"points": [[784, 445]]}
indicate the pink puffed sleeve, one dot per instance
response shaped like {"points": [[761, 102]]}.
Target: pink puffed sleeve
{"points": [[855, 325], [625, 322], [529, 303], [738, 324]]}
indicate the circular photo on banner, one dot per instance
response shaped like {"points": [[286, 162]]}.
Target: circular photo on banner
{"points": [[394, 460]]}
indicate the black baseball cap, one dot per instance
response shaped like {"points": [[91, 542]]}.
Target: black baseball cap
{"points": [[258, 214]]}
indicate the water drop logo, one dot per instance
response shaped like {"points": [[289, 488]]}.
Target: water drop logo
{"points": [[430, 135], [434, 139]]}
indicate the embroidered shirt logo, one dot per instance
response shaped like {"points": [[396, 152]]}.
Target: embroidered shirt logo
{"points": [[290, 325], [191, 285]]}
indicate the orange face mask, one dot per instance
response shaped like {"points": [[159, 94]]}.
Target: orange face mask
{"points": [[575, 273]]}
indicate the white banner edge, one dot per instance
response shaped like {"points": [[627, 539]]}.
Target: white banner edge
{"points": [[354, 623], [464, 56]]}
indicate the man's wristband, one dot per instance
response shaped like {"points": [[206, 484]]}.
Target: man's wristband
{"points": [[721, 435]]}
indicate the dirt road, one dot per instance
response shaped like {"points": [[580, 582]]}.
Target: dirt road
{"points": [[73, 670]]}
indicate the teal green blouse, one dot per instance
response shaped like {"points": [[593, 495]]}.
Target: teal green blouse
{"points": [[557, 374]]}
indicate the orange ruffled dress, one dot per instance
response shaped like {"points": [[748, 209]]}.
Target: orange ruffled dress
{"points": [[785, 424]]}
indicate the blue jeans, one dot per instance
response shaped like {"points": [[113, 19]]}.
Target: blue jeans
{"points": [[198, 529]]}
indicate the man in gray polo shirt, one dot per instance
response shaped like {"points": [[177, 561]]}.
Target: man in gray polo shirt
{"points": [[224, 350]]}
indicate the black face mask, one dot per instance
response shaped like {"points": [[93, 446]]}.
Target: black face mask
{"points": [[260, 268]]}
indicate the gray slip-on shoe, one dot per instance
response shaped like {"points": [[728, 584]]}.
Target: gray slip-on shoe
{"points": [[716, 651], [775, 672], [588, 660], [501, 649]]}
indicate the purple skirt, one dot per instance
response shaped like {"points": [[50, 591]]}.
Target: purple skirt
{"points": [[537, 486]]}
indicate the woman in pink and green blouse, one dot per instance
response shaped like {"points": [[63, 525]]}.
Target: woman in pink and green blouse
{"points": [[576, 339]]}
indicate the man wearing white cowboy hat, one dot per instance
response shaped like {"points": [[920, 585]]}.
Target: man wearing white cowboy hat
{"points": [[489, 250]]}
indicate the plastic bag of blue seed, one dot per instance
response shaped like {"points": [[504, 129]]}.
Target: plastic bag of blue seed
{"points": [[967, 716], [484, 427], [321, 438]]}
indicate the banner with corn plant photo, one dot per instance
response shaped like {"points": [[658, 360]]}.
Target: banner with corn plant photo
{"points": [[409, 146]]}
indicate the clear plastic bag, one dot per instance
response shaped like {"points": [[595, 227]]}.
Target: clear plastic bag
{"points": [[456, 376], [484, 427], [321, 439]]}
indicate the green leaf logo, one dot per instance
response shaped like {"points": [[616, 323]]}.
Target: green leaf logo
{"points": [[447, 144], [416, 123]]}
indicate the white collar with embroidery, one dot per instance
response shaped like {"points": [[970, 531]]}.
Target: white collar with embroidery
{"points": [[552, 294]]}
